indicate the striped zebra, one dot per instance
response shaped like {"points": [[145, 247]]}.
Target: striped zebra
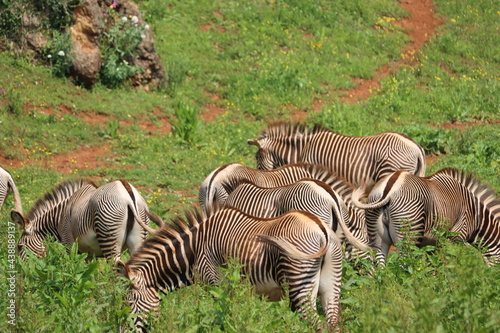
{"points": [[296, 248], [102, 219], [356, 159], [217, 186], [308, 195], [7, 184], [450, 198]]}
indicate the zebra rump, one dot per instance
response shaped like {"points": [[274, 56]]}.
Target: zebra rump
{"points": [[102, 219], [7, 184]]}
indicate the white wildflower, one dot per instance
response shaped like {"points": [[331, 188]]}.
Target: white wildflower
{"points": [[146, 27], [49, 56], [143, 36], [135, 19], [124, 19], [61, 53]]}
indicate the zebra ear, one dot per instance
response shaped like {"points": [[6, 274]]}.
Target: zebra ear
{"points": [[124, 269], [19, 219], [254, 142]]}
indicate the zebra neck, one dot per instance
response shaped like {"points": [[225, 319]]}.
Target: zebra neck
{"points": [[167, 261]]}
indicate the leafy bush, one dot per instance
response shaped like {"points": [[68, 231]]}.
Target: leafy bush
{"points": [[434, 140], [58, 53], [119, 43], [449, 281], [186, 125]]}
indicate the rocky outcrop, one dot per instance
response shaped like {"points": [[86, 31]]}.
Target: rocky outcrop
{"points": [[89, 22]]}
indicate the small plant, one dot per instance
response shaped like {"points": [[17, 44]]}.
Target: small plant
{"points": [[119, 44], [66, 287], [59, 13], [112, 127], [187, 124], [58, 53], [14, 103]]}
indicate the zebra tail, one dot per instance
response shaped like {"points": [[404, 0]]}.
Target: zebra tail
{"points": [[156, 219], [358, 193], [133, 208], [289, 249], [347, 232], [421, 166], [17, 198]]}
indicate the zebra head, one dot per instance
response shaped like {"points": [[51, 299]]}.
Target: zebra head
{"points": [[31, 239], [266, 158], [141, 298]]}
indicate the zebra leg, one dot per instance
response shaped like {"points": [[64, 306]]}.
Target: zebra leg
{"points": [[111, 230], [330, 280], [302, 277]]}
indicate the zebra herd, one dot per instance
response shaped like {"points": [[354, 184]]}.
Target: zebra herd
{"points": [[292, 220]]}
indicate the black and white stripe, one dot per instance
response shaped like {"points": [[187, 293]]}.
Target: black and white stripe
{"points": [[354, 158], [296, 247], [309, 195], [105, 220], [217, 186], [449, 198]]}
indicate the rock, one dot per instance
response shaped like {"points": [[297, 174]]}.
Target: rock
{"points": [[89, 21]]}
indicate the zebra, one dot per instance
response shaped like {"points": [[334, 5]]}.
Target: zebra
{"points": [[451, 197], [102, 219], [296, 248], [354, 158], [307, 194], [217, 186], [7, 184]]}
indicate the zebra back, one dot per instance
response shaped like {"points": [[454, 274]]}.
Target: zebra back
{"points": [[54, 200], [480, 190], [356, 158]]}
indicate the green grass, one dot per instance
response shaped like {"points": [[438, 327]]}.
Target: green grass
{"points": [[260, 61]]}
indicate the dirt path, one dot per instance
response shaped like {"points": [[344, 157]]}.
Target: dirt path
{"points": [[420, 26]]}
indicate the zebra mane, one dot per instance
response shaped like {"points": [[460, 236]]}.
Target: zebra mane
{"points": [[169, 232], [480, 190], [281, 129], [61, 192]]}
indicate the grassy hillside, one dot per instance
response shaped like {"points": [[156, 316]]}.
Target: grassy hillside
{"points": [[232, 67]]}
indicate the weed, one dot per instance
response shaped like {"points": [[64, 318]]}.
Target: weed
{"points": [[186, 124], [14, 101]]}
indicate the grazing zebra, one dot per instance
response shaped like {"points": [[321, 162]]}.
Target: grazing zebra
{"points": [[450, 197], [356, 159], [6, 184], [102, 219], [309, 195], [222, 181], [296, 248]]}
